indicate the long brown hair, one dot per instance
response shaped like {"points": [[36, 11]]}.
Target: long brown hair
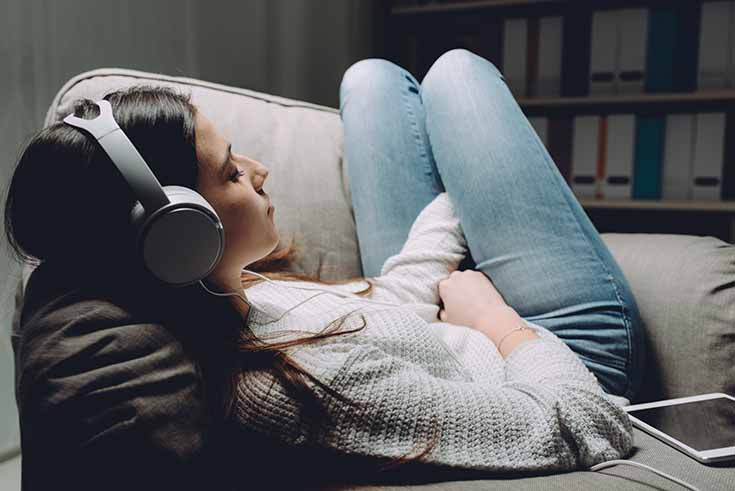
{"points": [[67, 167]]}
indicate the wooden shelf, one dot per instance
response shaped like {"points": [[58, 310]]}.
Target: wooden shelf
{"points": [[699, 101], [469, 5], [518, 6], [638, 204]]}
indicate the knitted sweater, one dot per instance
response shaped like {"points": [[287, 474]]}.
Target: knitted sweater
{"points": [[538, 409]]}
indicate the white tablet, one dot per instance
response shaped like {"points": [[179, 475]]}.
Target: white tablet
{"points": [[702, 426]]}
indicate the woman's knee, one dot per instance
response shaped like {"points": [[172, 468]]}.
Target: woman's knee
{"points": [[369, 72], [452, 65]]}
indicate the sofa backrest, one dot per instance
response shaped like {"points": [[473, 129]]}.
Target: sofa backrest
{"points": [[684, 285]]}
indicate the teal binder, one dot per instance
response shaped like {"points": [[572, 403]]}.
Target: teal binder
{"points": [[649, 145], [660, 56]]}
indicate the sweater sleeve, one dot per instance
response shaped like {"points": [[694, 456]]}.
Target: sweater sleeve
{"points": [[434, 248], [550, 414]]}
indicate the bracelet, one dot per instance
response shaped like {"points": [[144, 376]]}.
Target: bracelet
{"points": [[521, 327]]}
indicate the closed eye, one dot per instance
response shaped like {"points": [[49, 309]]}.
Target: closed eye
{"points": [[236, 175]]}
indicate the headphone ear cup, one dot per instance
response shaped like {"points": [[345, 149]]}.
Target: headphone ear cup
{"points": [[182, 242]]}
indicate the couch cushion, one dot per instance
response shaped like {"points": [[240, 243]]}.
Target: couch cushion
{"points": [[684, 286], [300, 142], [648, 451]]}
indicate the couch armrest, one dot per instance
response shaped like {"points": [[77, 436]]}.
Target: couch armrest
{"points": [[684, 286]]}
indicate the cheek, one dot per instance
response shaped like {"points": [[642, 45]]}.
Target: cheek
{"points": [[240, 215]]}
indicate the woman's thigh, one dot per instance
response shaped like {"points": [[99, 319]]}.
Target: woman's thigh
{"points": [[524, 227], [462, 131], [392, 175]]}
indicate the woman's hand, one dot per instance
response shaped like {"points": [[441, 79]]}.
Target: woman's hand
{"points": [[467, 296]]}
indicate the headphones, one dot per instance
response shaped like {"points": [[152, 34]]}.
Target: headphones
{"points": [[179, 236]]}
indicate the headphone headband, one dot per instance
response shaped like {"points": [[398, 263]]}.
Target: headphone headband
{"points": [[179, 236], [124, 155]]}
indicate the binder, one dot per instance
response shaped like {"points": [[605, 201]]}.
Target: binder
{"points": [[662, 24], [541, 126], [632, 42], [728, 169], [576, 32], [585, 151], [678, 157], [515, 42], [532, 46], [603, 54], [686, 59], [650, 134], [549, 57], [709, 149], [618, 167], [714, 45], [560, 134]]}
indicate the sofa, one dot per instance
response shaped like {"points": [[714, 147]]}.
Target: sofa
{"points": [[684, 285]]}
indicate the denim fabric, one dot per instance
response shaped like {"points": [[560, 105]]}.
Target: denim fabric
{"points": [[461, 130]]}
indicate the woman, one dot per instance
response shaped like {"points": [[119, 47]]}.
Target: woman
{"points": [[439, 373]]}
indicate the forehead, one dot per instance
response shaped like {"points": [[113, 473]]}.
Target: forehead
{"points": [[211, 145]]}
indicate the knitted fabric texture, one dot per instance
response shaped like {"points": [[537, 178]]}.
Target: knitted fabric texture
{"points": [[538, 409]]}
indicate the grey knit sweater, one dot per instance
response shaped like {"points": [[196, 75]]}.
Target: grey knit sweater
{"points": [[539, 409]]}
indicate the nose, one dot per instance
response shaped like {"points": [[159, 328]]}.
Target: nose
{"points": [[263, 171]]}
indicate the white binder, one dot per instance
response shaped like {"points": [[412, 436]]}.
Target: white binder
{"points": [[618, 170], [515, 54], [633, 43], [603, 56], [709, 151], [541, 125], [549, 57], [676, 174], [584, 156], [714, 43]]}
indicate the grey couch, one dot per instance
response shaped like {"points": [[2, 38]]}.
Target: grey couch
{"points": [[684, 285]]}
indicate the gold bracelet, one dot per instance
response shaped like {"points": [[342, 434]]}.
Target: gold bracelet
{"points": [[521, 327]]}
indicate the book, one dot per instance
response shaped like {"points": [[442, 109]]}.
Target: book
{"points": [[728, 168], [548, 83], [686, 45], [650, 135], [678, 156], [515, 41], [618, 164], [709, 147], [603, 54], [576, 46], [632, 43], [541, 126], [585, 150], [662, 27], [714, 45], [560, 131]]}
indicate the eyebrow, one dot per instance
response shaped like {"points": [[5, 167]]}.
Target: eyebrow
{"points": [[223, 165]]}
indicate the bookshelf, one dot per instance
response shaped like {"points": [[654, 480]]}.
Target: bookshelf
{"points": [[415, 35]]}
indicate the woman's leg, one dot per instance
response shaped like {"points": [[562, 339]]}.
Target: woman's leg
{"points": [[391, 173], [524, 227]]}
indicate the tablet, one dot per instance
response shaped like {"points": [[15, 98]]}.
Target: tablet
{"points": [[702, 426]]}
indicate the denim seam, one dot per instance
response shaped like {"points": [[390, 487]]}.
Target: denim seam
{"points": [[414, 124], [626, 323]]}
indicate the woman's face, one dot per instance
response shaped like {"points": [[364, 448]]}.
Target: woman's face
{"points": [[233, 185]]}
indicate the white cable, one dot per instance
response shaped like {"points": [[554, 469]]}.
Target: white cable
{"points": [[610, 463], [597, 467]]}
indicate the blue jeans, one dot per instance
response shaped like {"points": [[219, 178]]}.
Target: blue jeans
{"points": [[461, 131]]}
